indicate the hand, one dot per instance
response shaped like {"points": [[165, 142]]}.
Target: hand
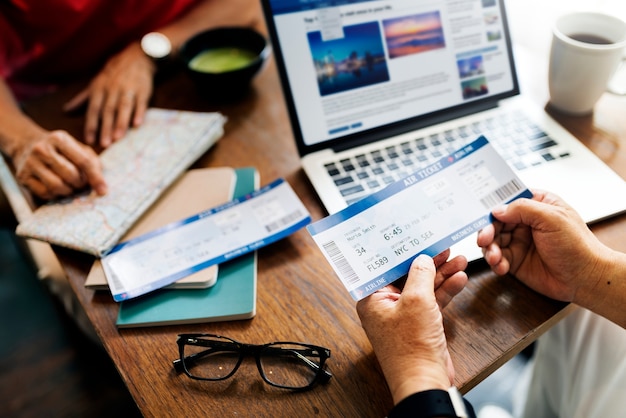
{"points": [[545, 244], [406, 327], [56, 164], [117, 97]]}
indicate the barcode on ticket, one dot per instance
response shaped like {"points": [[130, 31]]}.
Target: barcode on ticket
{"points": [[340, 262], [501, 194], [285, 220]]}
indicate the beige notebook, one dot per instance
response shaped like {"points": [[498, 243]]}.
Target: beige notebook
{"points": [[197, 190]]}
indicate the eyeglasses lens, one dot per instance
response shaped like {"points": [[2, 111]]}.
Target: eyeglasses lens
{"points": [[215, 359], [290, 365]]}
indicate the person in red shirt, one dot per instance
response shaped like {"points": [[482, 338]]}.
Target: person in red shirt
{"points": [[45, 44]]}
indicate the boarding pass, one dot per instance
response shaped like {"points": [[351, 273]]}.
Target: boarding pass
{"points": [[372, 243], [161, 257]]}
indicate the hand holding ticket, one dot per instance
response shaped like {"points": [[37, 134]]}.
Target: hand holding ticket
{"points": [[372, 243]]}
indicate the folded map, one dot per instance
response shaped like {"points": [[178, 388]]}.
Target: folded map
{"points": [[137, 170]]}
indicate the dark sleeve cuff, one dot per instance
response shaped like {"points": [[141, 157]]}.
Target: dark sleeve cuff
{"points": [[429, 404]]}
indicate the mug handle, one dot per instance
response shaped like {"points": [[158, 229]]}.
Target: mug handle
{"points": [[617, 85]]}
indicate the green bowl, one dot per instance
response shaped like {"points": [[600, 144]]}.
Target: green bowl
{"points": [[223, 61]]}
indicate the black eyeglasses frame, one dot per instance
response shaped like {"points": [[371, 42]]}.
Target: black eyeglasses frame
{"points": [[244, 350]]}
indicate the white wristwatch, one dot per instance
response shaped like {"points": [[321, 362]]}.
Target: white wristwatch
{"points": [[156, 45]]}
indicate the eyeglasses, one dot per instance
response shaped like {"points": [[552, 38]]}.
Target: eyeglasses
{"points": [[285, 365]]}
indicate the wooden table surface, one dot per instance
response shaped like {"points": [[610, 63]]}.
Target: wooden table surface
{"points": [[299, 297]]}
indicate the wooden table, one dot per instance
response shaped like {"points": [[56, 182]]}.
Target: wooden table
{"points": [[299, 297]]}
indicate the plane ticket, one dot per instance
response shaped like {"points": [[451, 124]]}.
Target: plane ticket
{"points": [[161, 257], [372, 243]]}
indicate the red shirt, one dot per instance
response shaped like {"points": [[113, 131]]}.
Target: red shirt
{"points": [[47, 42]]}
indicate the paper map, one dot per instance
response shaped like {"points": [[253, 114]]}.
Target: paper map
{"points": [[137, 170]]}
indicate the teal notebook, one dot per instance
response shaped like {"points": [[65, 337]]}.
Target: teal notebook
{"points": [[233, 296]]}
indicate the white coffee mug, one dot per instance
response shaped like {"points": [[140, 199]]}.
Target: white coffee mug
{"points": [[587, 49]]}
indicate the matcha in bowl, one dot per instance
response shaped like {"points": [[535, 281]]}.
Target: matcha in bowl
{"points": [[223, 61]]}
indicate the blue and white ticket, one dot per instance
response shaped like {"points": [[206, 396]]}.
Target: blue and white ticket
{"points": [[161, 257], [372, 243]]}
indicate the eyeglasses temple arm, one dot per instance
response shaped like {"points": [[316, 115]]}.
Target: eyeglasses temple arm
{"points": [[325, 376]]}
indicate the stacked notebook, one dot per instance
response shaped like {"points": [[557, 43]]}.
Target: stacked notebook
{"points": [[179, 202], [232, 297], [218, 293]]}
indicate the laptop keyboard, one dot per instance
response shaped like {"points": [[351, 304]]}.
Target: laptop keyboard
{"points": [[520, 142]]}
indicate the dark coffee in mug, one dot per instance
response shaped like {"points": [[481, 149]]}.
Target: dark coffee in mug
{"points": [[590, 39]]}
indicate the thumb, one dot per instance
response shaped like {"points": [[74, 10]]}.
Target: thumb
{"points": [[77, 101], [521, 211], [421, 278]]}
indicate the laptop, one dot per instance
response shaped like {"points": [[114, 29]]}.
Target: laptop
{"points": [[376, 89]]}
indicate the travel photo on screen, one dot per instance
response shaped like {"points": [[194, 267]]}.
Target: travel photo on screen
{"points": [[470, 67], [414, 34], [355, 60], [474, 88]]}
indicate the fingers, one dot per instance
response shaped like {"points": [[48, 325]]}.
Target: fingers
{"points": [[450, 280], [76, 101], [490, 240], [486, 236], [427, 277], [119, 96], [58, 164], [92, 118], [88, 164], [451, 287], [108, 115], [447, 269], [43, 181], [441, 258], [444, 279], [365, 306], [141, 106]]}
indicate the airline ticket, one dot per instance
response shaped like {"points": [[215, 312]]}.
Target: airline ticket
{"points": [[372, 243], [161, 257]]}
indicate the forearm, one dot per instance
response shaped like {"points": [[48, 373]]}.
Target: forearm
{"points": [[212, 13], [606, 293], [16, 129]]}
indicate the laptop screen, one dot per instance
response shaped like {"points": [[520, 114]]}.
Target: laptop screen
{"points": [[354, 71]]}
